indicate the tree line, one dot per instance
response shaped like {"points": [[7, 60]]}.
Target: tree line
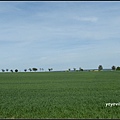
{"points": [[100, 68], [25, 70]]}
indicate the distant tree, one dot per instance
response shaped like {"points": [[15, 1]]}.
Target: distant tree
{"points": [[25, 70], [113, 67], [69, 69], [74, 69], [118, 68], [100, 67], [41, 69], [3, 70], [34, 69], [30, 69], [16, 70], [50, 69], [11, 71], [7, 70], [80, 69]]}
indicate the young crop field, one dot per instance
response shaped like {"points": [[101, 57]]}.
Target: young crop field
{"points": [[60, 95]]}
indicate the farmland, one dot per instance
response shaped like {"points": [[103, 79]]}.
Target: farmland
{"points": [[59, 94]]}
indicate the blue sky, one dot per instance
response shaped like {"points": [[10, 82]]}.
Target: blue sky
{"points": [[59, 35]]}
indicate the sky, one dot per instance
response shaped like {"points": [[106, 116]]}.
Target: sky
{"points": [[59, 35]]}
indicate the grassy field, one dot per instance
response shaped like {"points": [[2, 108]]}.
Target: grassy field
{"points": [[59, 95]]}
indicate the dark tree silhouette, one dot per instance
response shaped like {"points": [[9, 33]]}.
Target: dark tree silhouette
{"points": [[50, 69], [118, 68], [25, 70], [34, 69], [113, 67], [69, 69], [80, 69], [100, 67], [3, 70], [16, 70], [30, 69], [11, 71]]}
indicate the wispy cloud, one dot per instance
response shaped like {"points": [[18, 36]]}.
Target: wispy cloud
{"points": [[87, 19]]}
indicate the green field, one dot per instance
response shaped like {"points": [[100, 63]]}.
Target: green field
{"points": [[59, 94]]}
